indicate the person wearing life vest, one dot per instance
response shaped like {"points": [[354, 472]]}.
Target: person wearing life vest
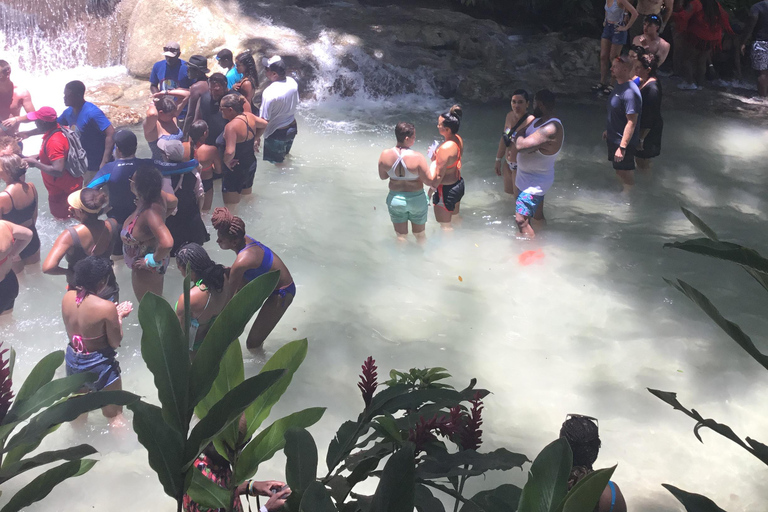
{"points": [[52, 161]]}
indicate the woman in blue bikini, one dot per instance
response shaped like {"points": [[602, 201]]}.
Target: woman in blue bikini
{"points": [[254, 259]]}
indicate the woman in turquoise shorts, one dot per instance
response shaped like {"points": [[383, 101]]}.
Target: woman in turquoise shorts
{"points": [[407, 171]]}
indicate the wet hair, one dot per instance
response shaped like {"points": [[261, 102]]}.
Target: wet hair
{"points": [[452, 118], [650, 62], [583, 437], [6, 141], [148, 182], [197, 130], [218, 78], [234, 101], [403, 130], [226, 223], [247, 60], [91, 272], [76, 87], [14, 166], [208, 271], [545, 97], [93, 199], [523, 93], [165, 104]]}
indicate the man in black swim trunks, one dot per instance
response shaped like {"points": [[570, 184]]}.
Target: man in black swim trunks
{"points": [[622, 132]]}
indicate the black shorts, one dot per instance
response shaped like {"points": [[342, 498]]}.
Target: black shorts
{"points": [[207, 184], [239, 178], [448, 196], [628, 163], [279, 144], [9, 290], [32, 247]]}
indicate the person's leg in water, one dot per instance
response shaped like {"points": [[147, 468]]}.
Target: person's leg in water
{"points": [[419, 232], [114, 412], [702, 58], [643, 165], [538, 219], [526, 207], [269, 315], [401, 230], [627, 179], [443, 216], [146, 281]]}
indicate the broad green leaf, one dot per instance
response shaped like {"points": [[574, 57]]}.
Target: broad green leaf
{"points": [[699, 224], [225, 411], [693, 502], [730, 328], [207, 493], [42, 486], [165, 446], [469, 462], [76, 452], [386, 426], [300, 462], [6, 429], [166, 354], [15, 454], [316, 499], [271, 440], [504, 498], [343, 443], [67, 410], [40, 375], [48, 394], [187, 306], [586, 493], [227, 327], [547, 482], [288, 357], [748, 258], [12, 362], [395, 492], [425, 501]]}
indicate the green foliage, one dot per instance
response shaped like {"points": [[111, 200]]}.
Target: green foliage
{"points": [[757, 267], [419, 378], [45, 403]]}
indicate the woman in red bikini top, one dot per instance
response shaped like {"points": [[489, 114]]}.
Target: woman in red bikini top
{"points": [[446, 168]]}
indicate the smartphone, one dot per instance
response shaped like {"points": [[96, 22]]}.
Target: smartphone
{"points": [[277, 491]]}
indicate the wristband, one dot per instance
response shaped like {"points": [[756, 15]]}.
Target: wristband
{"points": [[498, 159], [149, 259], [623, 148], [263, 509]]}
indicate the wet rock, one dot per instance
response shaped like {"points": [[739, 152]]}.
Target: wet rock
{"points": [[104, 93], [121, 115]]}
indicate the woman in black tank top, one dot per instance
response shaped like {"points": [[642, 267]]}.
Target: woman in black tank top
{"points": [[17, 193], [241, 137], [92, 237]]}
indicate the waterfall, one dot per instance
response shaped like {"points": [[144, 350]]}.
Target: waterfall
{"points": [[40, 36]]}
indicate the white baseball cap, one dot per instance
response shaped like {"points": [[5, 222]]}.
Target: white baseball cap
{"points": [[272, 61]]}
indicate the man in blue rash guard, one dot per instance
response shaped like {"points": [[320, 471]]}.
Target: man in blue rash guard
{"points": [[116, 177]]}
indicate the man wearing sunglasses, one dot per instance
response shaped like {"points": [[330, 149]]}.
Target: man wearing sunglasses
{"points": [[170, 73], [650, 40], [12, 98], [662, 8]]}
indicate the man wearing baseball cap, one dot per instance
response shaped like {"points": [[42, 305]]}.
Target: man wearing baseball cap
{"points": [[651, 40], [278, 108], [52, 161], [197, 72], [170, 73]]}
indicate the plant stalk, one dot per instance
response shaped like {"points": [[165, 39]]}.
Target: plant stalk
{"points": [[461, 488]]}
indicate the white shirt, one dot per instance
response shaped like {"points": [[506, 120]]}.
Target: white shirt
{"points": [[536, 171], [278, 104]]}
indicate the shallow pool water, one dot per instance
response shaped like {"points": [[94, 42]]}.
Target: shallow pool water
{"points": [[585, 329]]}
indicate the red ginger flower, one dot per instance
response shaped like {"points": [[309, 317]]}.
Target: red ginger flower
{"points": [[5, 385], [471, 435], [368, 380]]}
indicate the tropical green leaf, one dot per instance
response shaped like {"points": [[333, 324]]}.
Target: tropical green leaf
{"points": [[395, 492], [288, 357], [547, 482], [166, 354], [165, 446], [11, 362], [504, 498], [49, 393], [225, 411], [387, 427], [425, 501], [316, 499], [15, 454], [73, 453], [699, 224], [730, 328], [186, 287], [693, 502], [67, 410], [40, 375], [343, 443], [41, 486], [586, 493], [469, 462], [6, 429], [207, 493], [227, 327], [300, 462], [727, 251], [271, 440]]}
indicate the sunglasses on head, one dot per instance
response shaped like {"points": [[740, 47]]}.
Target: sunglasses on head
{"points": [[173, 50]]}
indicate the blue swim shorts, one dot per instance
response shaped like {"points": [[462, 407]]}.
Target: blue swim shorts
{"points": [[616, 37], [527, 204], [408, 206], [102, 363], [279, 144]]}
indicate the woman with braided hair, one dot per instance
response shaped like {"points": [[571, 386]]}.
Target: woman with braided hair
{"points": [[208, 295], [254, 259], [581, 432]]}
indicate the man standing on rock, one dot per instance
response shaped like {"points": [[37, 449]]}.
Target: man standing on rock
{"points": [[622, 133], [226, 61], [646, 7], [651, 40], [170, 73], [278, 108], [12, 98]]}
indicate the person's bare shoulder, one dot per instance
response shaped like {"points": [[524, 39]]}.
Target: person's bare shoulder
{"points": [[21, 93]]}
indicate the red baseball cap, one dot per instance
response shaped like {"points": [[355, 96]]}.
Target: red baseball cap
{"points": [[43, 114]]}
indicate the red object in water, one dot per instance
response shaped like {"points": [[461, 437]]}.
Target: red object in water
{"points": [[529, 257]]}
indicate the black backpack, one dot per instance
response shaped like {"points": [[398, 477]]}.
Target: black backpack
{"points": [[76, 162]]}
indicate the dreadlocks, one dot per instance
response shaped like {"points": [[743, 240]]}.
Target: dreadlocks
{"points": [[210, 273], [582, 435]]}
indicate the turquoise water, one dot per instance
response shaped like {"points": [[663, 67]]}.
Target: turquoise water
{"points": [[583, 330]]}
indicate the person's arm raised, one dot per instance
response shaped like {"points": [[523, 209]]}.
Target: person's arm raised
{"points": [[150, 123]]}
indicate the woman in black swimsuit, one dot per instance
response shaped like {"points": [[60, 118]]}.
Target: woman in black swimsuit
{"points": [[18, 204], [241, 136], [92, 237], [248, 86]]}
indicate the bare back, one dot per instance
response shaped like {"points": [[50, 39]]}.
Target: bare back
{"points": [[414, 162], [645, 7], [94, 320]]}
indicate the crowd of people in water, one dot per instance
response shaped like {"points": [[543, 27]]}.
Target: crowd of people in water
{"points": [[202, 126]]}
